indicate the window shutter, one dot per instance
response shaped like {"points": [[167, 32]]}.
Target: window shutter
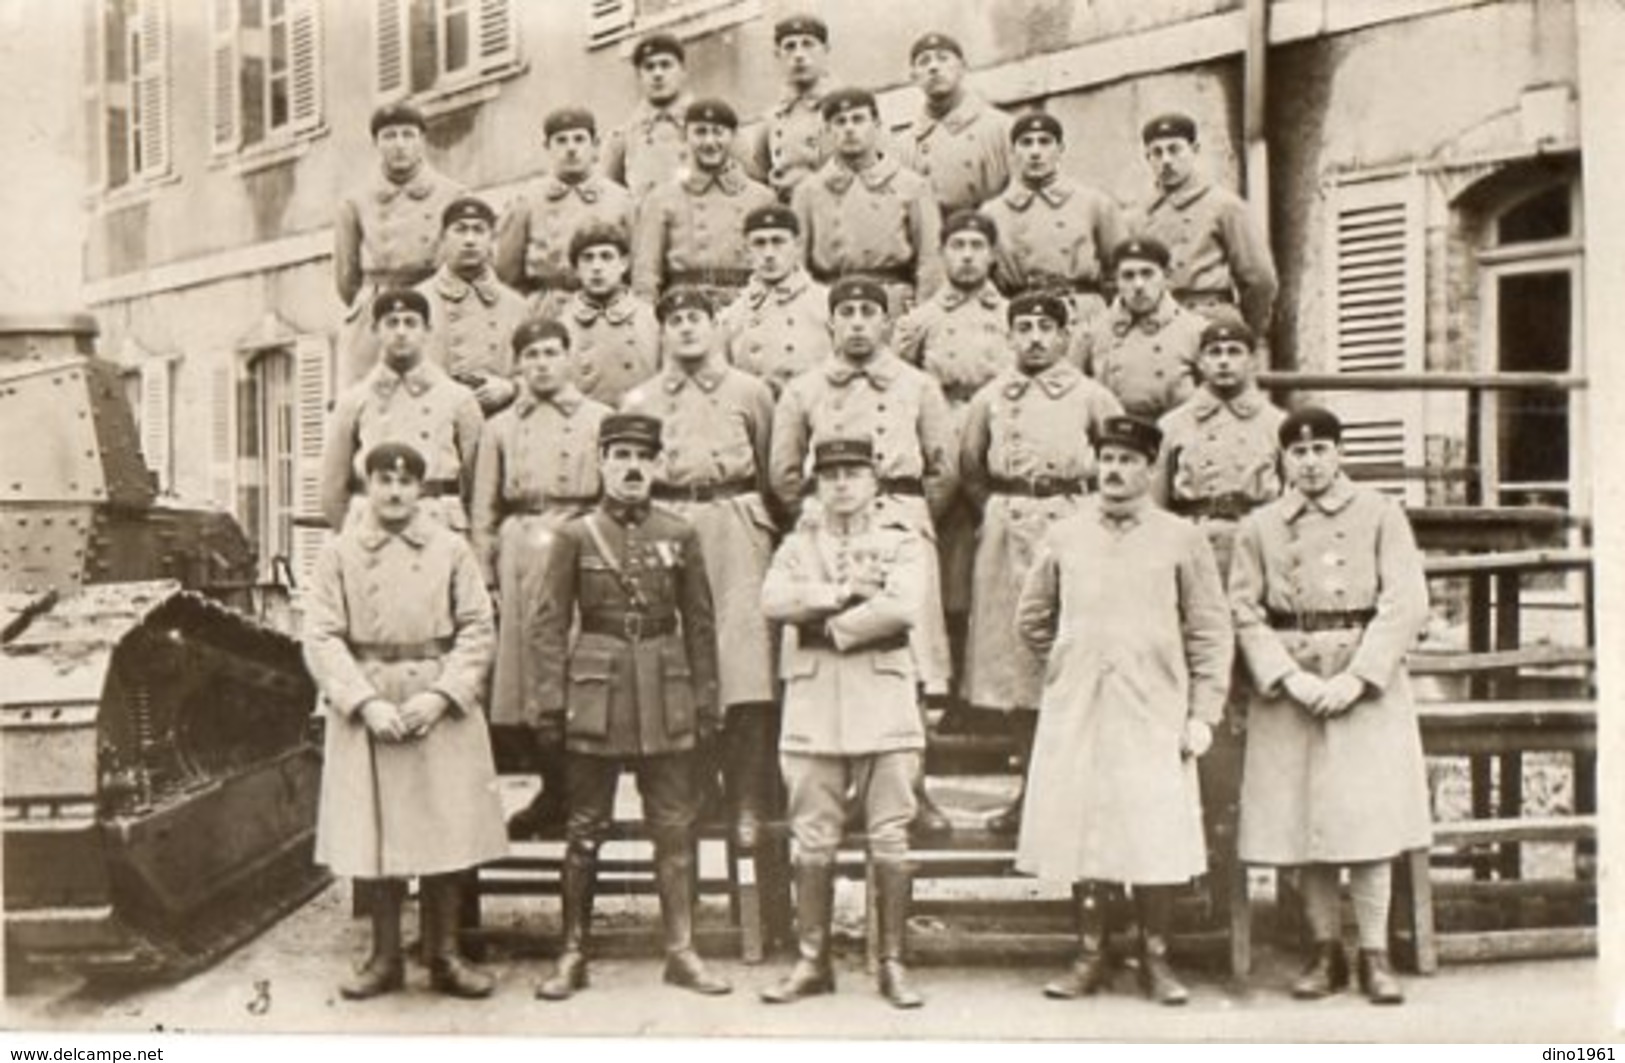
{"points": [[498, 35], [1377, 303], [157, 419], [305, 47], [390, 76], [154, 88], [225, 96], [95, 135], [609, 21], [313, 389], [223, 437]]}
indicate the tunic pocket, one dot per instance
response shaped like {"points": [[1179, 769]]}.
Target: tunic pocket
{"points": [[588, 705], [677, 688], [895, 662]]}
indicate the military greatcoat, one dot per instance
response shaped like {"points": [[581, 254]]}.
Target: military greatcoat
{"points": [[389, 615], [690, 230], [1132, 615], [649, 148], [1056, 235], [793, 141], [1148, 361], [533, 239], [777, 332], [613, 347], [1354, 786], [472, 323], [965, 153], [1217, 253]]}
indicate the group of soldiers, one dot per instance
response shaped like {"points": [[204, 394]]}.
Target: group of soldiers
{"points": [[923, 421]]}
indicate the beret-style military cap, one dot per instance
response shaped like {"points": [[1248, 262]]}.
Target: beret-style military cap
{"points": [[976, 221], [397, 114], [395, 457], [599, 233], [1133, 433], [1172, 124], [629, 428], [714, 112], [1049, 304], [835, 452], [537, 329], [935, 42], [1309, 423], [800, 26], [842, 100], [684, 298], [849, 289], [465, 207], [1227, 326], [567, 118], [396, 300], [1143, 249], [658, 44], [1036, 122], [772, 216]]}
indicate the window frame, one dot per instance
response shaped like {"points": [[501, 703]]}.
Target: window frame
{"points": [[618, 22], [142, 95], [234, 46], [480, 79]]}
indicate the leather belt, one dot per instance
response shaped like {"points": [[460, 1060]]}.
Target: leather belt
{"points": [[814, 636], [704, 492], [1232, 505], [708, 278], [883, 274], [629, 627], [902, 485], [1212, 295], [1320, 619], [1036, 486], [429, 488], [427, 650]]}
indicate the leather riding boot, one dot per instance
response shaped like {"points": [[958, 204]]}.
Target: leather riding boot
{"points": [[750, 739], [893, 880], [1092, 969], [384, 971], [449, 972], [929, 820], [1156, 908], [1377, 979], [575, 896], [674, 874], [815, 903], [1325, 973], [1021, 725], [547, 812]]}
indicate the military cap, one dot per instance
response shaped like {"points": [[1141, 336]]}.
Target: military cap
{"points": [[629, 428], [567, 118], [396, 457], [397, 114], [772, 216], [598, 233], [842, 100], [1143, 248], [833, 452], [1309, 423], [1132, 433], [537, 329], [935, 42], [464, 207], [960, 220], [713, 112], [855, 287], [658, 44], [1172, 124], [395, 300], [1226, 326], [1036, 122], [800, 26], [1049, 304], [685, 297]]}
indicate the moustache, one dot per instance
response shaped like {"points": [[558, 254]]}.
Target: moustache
{"points": [[1113, 479], [632, 478]]}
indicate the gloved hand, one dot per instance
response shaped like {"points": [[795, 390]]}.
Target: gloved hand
{"points": [[1195, 739]]}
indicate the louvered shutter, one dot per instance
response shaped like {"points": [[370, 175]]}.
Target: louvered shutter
{"points": [[1378, 303], [498, 35], [609, 21], [95, 121], [305, 48], [313, 388], [157, 420], [389, 79], [153, 88], [225, 90], [223, 436]]}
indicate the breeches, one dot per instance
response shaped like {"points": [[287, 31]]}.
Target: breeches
{"points": [[666, 784], [818, 786]]}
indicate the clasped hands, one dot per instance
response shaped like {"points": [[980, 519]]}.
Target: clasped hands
{"points": [[412, 718], [1324, 697]]}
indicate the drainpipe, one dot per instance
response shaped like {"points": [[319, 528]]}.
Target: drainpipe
{"points": [[1256, 165]]}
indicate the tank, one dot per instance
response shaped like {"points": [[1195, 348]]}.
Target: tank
{"points": [[160, 766]]}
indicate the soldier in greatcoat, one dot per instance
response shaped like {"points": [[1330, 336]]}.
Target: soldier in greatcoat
{"points": [[1144, 346], [793, 141], [1026, 459], [387, 232], [405, 398], [537, 470], [398, 634], [1329, 595], [533, 238], [636, 689], [778, 328], [1125, 600], [848, 587], [717, 423], [650, 147], [958, 141], [866, 391], [614, 337]]}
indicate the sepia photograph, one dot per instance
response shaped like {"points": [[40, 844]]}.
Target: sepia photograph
{"points": [[811, 520]]}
